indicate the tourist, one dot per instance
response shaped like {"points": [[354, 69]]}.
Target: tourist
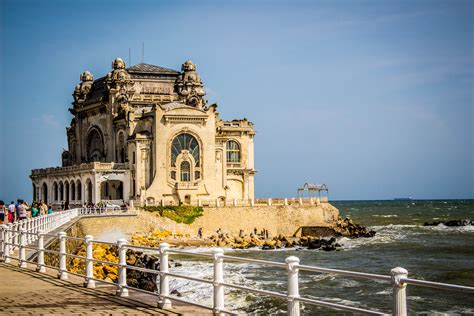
{"points": [[34, 210], [18, 202], [66, 206], [200, 233], [43, 208], [2, 212], [22, 210], [50, 209], [11, 212]]}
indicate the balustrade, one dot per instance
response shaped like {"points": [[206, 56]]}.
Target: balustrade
{"points": [[398, 278]]}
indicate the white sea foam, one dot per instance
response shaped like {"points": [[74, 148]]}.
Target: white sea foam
{"points": [[202, 293], [442, 227], [385, 216]]}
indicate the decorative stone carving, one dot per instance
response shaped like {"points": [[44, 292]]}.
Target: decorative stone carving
{"points": [[82, 89], [120, 86], [190, 87]]}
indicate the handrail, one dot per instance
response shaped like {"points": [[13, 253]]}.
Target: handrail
{"points": [[22, 236], [441, 286], [354, 274]]}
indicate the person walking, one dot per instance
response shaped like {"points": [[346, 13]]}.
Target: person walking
{"points": [[50, 209], [2, 212], [11, 212], [22, 211]]}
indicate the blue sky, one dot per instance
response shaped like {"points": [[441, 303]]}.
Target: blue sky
{"points": [[373, 98]]}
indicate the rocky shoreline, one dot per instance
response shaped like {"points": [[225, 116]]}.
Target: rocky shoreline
{"points": [[244, 240], [147, 281]]}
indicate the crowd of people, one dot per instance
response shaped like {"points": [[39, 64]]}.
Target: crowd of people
{"points": [[22, 210]]}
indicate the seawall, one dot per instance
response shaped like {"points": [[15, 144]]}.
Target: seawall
{"points": [[277, 220], [283, 219]]}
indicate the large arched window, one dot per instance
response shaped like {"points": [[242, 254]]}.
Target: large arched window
{"points": [[185, 158], [95, 146], [185, 171], [233, 151], [184, 142]]}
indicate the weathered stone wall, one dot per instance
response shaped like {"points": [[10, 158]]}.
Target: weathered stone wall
{"points": [[113, 228], [276, 219]]}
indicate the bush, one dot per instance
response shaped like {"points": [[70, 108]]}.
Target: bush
{"points": [[180, 214]]}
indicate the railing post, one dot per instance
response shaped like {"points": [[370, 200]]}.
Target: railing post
{"points": [[300, 200], [286, 201], [89, 282], [218, 305], [234, 202], [27, 224], [293, 287], [122, 279], [164, 302], [3, 229], [399, 291], [22, 251], [8, 240], [252, 202], [62, 273], [40, 265], [218, 203], [269, 202], [15, 228]]}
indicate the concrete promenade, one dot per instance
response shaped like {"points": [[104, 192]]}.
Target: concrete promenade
{"points": [[26, 292]]}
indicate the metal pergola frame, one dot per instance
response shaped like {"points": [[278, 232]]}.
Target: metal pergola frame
{"points": [[313, 188]]}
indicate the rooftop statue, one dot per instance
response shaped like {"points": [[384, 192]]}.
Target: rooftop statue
{"points": [[190, 86]]}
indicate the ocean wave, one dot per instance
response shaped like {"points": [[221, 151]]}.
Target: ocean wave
{"points": [[385, 216], [444, 228], [203, 293]]}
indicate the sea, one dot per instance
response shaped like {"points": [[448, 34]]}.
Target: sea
{"points": [[436, 253]]}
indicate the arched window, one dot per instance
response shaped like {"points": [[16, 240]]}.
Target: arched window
{"points": [[55, 189], [185, 158], [233, 151], [79, 190], [44, 190], [73, 191], [120, 147], [95, 146], [185, 171], [61, 191], [185, 142]]}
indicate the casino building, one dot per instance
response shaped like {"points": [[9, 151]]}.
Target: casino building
{"points": [[146, 133]]}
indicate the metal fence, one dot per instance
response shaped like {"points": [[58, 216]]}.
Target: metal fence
{"points": [[225, 202], [21, 238]]}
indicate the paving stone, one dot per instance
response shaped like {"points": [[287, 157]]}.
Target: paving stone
{"points": [[26, 292]]}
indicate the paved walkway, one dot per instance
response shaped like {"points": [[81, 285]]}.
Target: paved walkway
{"points": [[26, 292]]}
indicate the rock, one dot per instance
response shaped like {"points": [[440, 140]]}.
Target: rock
{"points": [[314, 244], [175, 292]]}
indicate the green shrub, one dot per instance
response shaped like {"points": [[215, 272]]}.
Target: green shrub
{"points": [[180, 214]]}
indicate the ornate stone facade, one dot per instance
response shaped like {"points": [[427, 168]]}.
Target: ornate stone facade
{"points": [[146, 133]]}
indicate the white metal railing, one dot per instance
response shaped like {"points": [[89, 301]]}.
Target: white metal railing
{"points": [[222, 202], [398, 277], [28, 230]]}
